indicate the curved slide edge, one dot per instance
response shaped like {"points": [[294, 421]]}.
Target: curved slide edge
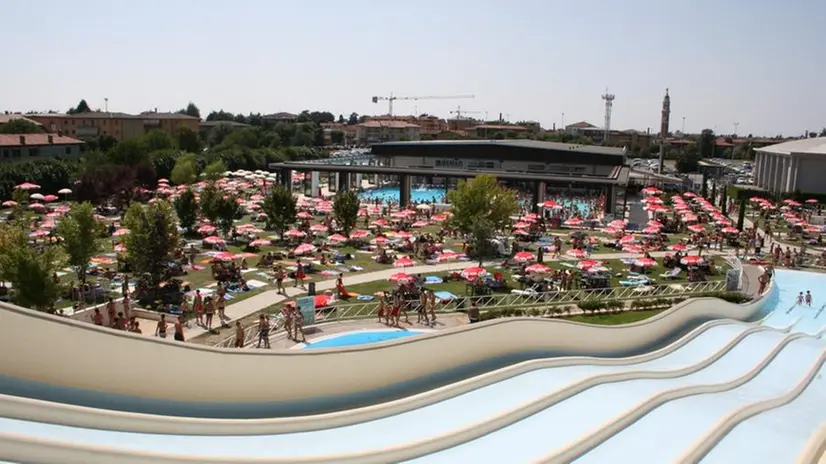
{"points": [[86, 417], [333, 379], [588, 442], [713, 436], [815, 448], [471, 432]]}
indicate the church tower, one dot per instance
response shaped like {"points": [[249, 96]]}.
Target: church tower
{"points": [[664, 119]]}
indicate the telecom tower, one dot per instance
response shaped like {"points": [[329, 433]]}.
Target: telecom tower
{"points": [[664, 120], [609, 105]]}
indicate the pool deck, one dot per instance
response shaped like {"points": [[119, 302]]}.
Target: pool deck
{"points": [[446, 321]]}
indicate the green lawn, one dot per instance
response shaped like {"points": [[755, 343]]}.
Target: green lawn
{"points": [[626, 317]]}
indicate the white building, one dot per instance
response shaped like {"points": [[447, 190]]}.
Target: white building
{"points": [[378, 131], [790, 166]]}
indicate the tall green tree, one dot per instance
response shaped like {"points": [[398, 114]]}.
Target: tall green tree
{"points": [[152, 239], [82, 107], [188, 140], [208, 202], [29, 270], [346, 210], [482, 196], [228, 209], [158, 140], [279, 205], [215, 170], [480, 240], [191, 110], [185, 171], [81, 234], [705, 145], [186, 207]]}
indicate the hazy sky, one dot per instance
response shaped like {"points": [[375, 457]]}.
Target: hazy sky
{"points": [[757, 62]]}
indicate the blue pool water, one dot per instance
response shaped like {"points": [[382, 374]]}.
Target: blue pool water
{"points": [[361, 338], [417, 194]]}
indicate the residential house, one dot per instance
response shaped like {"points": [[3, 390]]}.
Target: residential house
{"points": [[28, 147]]}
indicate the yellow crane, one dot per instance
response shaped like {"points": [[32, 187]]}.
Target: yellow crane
{"points": [[390, 99]]}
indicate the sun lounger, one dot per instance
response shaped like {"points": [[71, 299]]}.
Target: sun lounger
{"points": [[672, 274], [433, 280], [444, 297]]}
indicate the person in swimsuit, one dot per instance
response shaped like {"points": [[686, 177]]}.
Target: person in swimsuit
{"points": [[800, 298], [209, 311], [120, 322], [298, 325], [279, 280], [97, 318], [383, 313], [136, 328], [185, 311], [263, 331], [299, 274], [222, 306], [239, 335], [110, 311], [431, 296], [808, 298], [127, 306], [199, 308], [179, 330], [160, 329]]}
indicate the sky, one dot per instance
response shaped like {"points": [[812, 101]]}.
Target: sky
{"points": [[758, 63]]}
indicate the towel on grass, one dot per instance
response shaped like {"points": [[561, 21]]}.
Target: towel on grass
{"points": [[255, 284], [433, 280], [444, 296]]}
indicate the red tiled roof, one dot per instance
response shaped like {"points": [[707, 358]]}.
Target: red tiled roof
{"points": [[5, 118], [13, 140], [583, 124], [386, 123]]}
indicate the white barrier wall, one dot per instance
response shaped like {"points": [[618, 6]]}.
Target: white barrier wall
{"points": [[52, 350]]}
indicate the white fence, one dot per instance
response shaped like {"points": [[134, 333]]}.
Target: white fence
{"points": [[521, 300]]}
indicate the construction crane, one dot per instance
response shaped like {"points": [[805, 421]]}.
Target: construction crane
{"points": [[459, 112], [393, 98]]}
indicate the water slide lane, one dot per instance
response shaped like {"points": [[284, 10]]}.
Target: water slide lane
{"points": [[677, 425], [777, 435], [461, 411], [555, 427]]}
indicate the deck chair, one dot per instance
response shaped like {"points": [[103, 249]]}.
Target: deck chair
{"points": [[672, 274]]}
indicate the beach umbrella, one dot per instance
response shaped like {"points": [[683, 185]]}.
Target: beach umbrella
{"points": [[538, 269], [401, 278], [549, 204], [36, 196], [337, 238], [37, 206], [303, 249], [206, 229], [9, 203], [626, 239], [730, 230], [64, 191], [27, 186], [356, 234], [696, 228], [223, 256], [418, 224], [379, 241], [692, 260], [120, 233], [213, 240], [295, 233], [524, 257], [319, 228], [448, 256], [575, 253], [633, 249], [677, 247], [472, 273], [588, 264], [645, 262], [51, 198], [259, 242], [573, 222], [404, 262]]}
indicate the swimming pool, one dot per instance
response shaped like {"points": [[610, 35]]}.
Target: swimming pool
{"points": [[582, 206], [360, 337], [417, 194]]}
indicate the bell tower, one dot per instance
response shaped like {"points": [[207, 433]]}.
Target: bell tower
{"points": [[664, 119]]}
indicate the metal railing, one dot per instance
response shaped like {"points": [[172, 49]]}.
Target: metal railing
{"points": [[737, 265], [516, 300]]}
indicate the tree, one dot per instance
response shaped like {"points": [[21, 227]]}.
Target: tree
{"points": [[822, 133], [705, 145], [279, 205], [185, 171], [215, 170], [688, 160], [158, 140], [480, 240], [337, 137], [209, 202], [188, 140], [482, 196], [228, 209], [353, 119], [152, 239], [346, 210], [81, 233], [191, 110], [186, 207], [29, 270], [82, 107], [741, 213], [20, 126]]}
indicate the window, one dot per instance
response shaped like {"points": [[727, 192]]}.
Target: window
{"points": [[15, 153], [6, 153], [34, 152], [68, 150]]}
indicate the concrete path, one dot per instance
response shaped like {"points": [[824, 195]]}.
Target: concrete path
{"points": [[268, 298]]}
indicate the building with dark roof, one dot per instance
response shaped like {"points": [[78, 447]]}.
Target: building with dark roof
{"points": [[30, 147], [121, 126]]}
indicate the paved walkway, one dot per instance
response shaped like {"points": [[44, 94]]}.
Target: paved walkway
{"points": [[268, 298]]}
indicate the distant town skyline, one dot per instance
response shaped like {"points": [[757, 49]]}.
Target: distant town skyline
{"points": [[750, 65]]}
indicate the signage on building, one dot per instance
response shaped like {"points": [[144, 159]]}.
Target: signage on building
{"points": [[450, 163], [306, 305]]}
